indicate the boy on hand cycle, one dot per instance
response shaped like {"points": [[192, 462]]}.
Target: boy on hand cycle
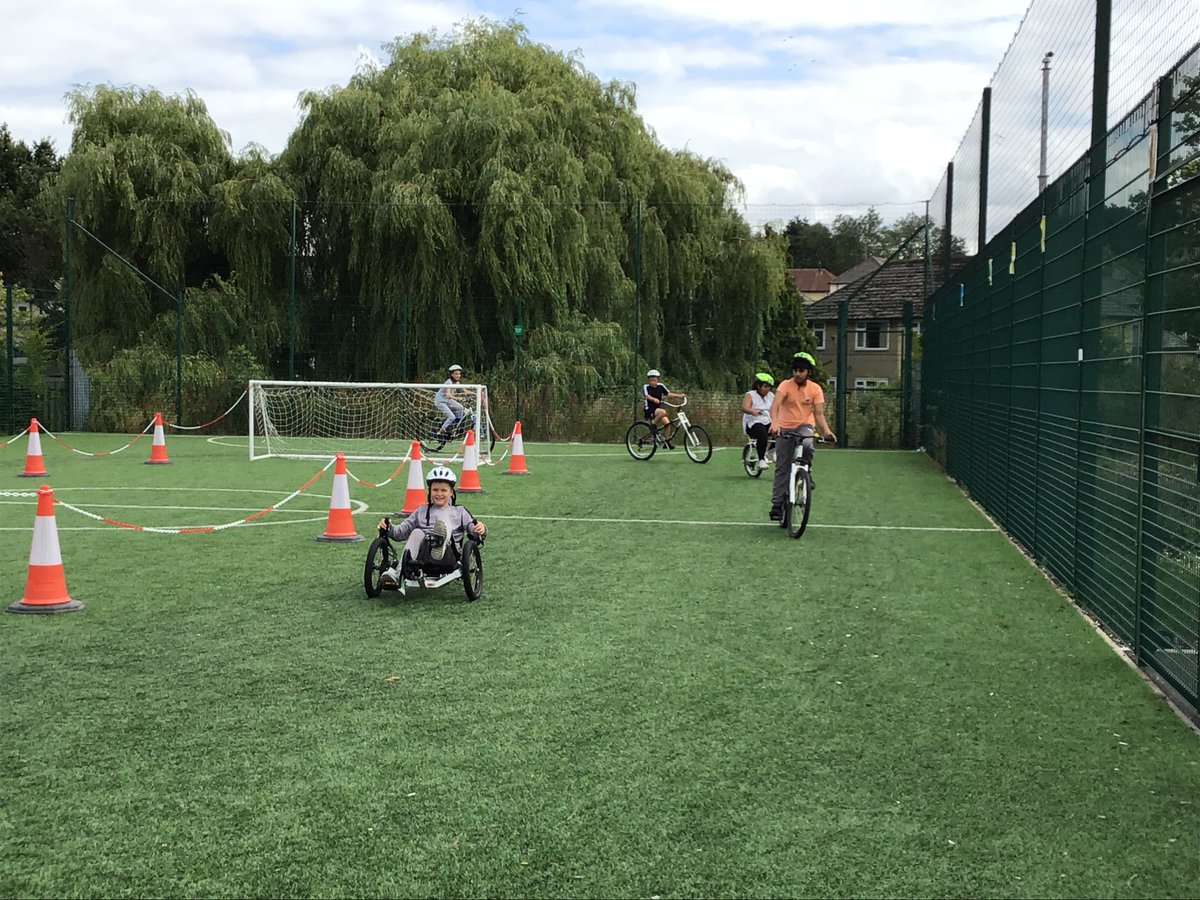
{"points": [[798, 408]]}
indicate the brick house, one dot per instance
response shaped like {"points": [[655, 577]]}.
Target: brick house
{"points": [[813, 284], [875, 353]]}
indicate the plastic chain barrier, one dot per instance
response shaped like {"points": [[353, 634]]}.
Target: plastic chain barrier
{"points": [[203, 529], [206, 424], [58, 440], [17, 438]]}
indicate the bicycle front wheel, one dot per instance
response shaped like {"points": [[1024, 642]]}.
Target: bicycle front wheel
{"points": [[750, 461], [698, 444], [639, 440], [801, 504]]}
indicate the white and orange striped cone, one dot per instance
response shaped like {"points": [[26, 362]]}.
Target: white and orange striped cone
{"points": [[34, 466], [158, 449], [339, 527], [45, 585], [414, 496], [468, 483], [516, 460]]}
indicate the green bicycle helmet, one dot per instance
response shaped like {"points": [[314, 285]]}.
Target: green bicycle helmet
{"points": [[804, 360], [763, 378]]}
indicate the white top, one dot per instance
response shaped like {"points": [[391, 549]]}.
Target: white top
{"points": [[762, 409]]}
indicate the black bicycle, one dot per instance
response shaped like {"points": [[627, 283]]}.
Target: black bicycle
{"points": [[433, 438]]}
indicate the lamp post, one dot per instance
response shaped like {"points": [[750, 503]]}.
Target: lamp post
{"points": [[1045, 117]]}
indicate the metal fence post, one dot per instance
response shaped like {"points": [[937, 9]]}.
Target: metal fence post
{"points": [[906, 380], [8, 338], [842, 364], [292, 300]]}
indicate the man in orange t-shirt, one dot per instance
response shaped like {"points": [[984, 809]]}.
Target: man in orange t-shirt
{"points": [[799, 406]]}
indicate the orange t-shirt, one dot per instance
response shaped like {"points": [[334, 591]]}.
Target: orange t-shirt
{"points": [[795, 404]]}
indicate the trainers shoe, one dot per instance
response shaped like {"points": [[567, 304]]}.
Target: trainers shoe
{"points": [[442, 533], [668, 445], [762, 464], [776, 512], [389, 578]]}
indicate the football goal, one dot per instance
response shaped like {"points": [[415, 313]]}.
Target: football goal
{"points": [[316, 419]]}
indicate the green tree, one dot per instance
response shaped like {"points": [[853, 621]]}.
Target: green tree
{"points": [[29, 231], [479, 179]]}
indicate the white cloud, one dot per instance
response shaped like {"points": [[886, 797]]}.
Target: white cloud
{"points": [[857, 101]]}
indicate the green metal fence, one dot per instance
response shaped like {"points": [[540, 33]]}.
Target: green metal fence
{"points": [[1062, 380]]}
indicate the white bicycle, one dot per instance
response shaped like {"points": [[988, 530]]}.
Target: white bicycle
{"points": [[799, 499], [643, 439]]}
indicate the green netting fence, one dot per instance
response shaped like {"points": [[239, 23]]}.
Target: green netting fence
{"points": [[1061, 380]]}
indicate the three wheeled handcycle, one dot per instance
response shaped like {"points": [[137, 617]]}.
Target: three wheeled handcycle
{"points": [[462, 561]]}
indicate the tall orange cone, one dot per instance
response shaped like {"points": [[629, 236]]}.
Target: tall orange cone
{"points": [[516, 460], [340, 524], [158, 449], [34, 466], [414, 496], [45, 585], [469, 482]]}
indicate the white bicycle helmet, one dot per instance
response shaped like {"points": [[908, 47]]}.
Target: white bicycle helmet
{"points": [[441, 473], [455, 368], [653, 373]]}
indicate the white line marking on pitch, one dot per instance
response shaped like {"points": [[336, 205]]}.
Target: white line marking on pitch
{"points": [[598, 520]]}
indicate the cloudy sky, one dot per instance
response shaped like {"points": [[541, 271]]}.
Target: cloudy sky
{"points": [[816, 107]]}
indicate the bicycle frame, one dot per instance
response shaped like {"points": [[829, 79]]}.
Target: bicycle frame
{"points": [[799, 499]]}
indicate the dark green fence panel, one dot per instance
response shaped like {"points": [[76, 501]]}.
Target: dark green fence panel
{"points": [[1065, 394]]}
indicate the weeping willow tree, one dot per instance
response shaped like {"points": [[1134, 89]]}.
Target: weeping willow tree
{"points": [[479, 181], [166, 226]]}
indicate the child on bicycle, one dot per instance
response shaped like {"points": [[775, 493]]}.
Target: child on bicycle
{"points": [[799, 405], [654, 393], [447, 403], [433, 530], [756, 413]]}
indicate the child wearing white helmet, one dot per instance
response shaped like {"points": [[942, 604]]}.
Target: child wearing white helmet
{"points": [[434, 529], [447, 401], [654, 392]]}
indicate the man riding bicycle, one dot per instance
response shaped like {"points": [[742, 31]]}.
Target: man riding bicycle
{"points": [[799, 405]]}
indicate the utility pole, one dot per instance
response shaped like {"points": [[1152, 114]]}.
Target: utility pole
{"points": [[1045, 117]]}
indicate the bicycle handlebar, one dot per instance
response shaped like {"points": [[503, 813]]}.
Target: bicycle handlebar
{"points": [[676, 405]]}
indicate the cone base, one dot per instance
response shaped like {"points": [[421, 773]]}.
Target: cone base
{"points": [[42, 474], [157, 462], [522, 472], [45, 608], [471, 490], [338, 538]]}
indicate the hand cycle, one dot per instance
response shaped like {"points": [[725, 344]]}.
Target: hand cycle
{"points": [[799, 499], [750, 456], [641, 440], [428, 574]]}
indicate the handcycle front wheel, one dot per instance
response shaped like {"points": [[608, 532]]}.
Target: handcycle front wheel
{"points": [[750, 460], [698, 444], [796, 514], [640, 440], [380, 558], [472, 570]]}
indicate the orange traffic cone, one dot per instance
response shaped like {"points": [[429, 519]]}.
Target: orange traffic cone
{"points": [[469, 482], [45, 585], [414, 496], [516, 461], [158, 449], [339, 526], [34, 466]]}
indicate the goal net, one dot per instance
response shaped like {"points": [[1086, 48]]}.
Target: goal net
{"points": [[317, 419]]}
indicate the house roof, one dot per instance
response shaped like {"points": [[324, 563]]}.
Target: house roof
{"points": [[882, 298], [866, 267], [811, 281]]}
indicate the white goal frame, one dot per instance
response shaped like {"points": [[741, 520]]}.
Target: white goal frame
{"points": [[389, 417]]}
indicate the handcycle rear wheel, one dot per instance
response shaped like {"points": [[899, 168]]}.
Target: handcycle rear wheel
{"points": [[750, 460], [797, 513], [640, 440], [380, 558], [698, 444], [472, 570]]}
